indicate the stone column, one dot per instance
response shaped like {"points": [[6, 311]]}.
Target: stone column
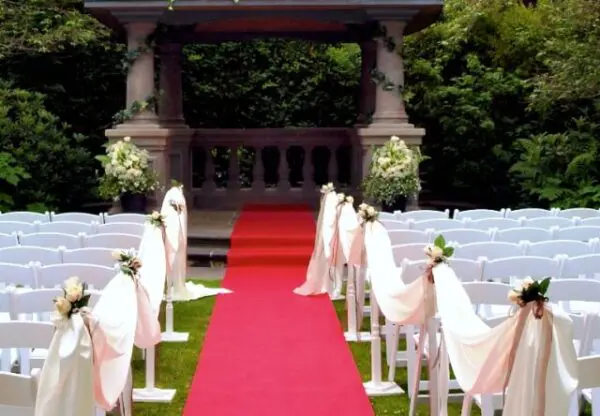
{"points": [[140, 78], [170, 106], [366, 102]]}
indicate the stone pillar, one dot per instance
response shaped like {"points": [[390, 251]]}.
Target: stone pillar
{"points": [[170, 106], [366, 103], [140, 78]]}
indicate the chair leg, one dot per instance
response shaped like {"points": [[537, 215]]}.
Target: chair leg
{"points": [[392, 349]]}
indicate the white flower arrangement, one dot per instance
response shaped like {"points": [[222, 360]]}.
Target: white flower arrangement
{"points": [[325, 189], [394, 172], [156, 219], [367, 213], [74, 298], [437, 253], [343, 198], [531, 291], [129, 263], [126, 170]]}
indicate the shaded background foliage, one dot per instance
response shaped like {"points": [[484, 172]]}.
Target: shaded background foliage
{"points": [[508, 95]]}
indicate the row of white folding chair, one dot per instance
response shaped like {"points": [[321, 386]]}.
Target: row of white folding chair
{"points": [[50, 276], [489, 223], [92, 255], [9, 228], [477, 214], [66, 241], [31, 217]]}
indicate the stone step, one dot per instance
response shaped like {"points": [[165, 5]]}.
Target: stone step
{"points": [[208, 248]]}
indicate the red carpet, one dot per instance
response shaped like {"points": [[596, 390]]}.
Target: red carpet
{"points": [[269, 352]]}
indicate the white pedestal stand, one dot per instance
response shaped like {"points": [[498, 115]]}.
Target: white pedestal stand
{"points": [[170, 335], [353, 333], [150, 393]]}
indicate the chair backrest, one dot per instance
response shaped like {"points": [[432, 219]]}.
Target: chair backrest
{"points": [[68, 227], [555, 248], [578, 213], [17, 275], [113, 241], [593, 222], [487, 293], [408, 237], [33, 305], [412, 270], [516, 235], [90, 255], [5, 304], [8, 240], [121, 228], [548, 222], [587, 265], [580, 233], [414, 251], [17, 393], [477, 214], [467, 270], [25, 216], [520, 268], [487, 223], [9, 227], [421, 215], [589, 372], [81, 217], [27, 254], [391, 225], [24, 336], [466, 236], [580, 290], [436, 224], [135, 218], [528, 213], [387, 216], [97, 277], [490, 250], [51, 240]]}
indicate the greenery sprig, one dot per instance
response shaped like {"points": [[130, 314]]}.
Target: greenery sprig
{"points": [[531, 291], [156, 219], [129, 263], [437, 253]]}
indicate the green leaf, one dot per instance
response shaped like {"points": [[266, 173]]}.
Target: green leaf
{"points": [[448, 251], [544, 284], [440, 241]]}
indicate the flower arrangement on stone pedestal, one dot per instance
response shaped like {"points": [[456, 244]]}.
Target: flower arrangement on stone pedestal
{"points": [[393, 175], [127, 176]]}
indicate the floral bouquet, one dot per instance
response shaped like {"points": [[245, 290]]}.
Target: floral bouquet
{"points": [[342, 199], [367, 213], [531, 291], [156, 219], [126, 170], [394, 172], [74, 298], [130, 264], [325, 189], [437, 253]]}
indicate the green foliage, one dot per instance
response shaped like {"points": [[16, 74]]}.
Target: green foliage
{"points": [[10, 176]]}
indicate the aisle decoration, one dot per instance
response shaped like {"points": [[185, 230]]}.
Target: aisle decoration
{"points": [[129, 263], [128, 175], [344, 228], [393, 175], [74, 300], [156, 219], [531, 291]]}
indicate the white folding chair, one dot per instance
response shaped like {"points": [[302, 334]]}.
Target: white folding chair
{"points": [[81, 217], [516, 235], [591, 222], [5, 305], [436, 224], [413, 251], [22, 336], [549, 222], [422, 215], [387, 216], [579, 233], [466, 270], [90, 255], [512, 270], [8, 240], [576, 295], [135, 218], [113, 241], [392, 225], [15, 275], [17, 394], [97, 277], [527, 213], [466, 236], [27, 254], [487, 223], [589, 381], [25, 216], [68, 227], [51, 240], [586, 266], [33, 305], [490, 250], [408, 236], [555, 248], [577, 213], [121, 228], [478, 214], [9, 227]]}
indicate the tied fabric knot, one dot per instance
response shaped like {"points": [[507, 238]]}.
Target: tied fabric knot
{"points": [[334, 244]]}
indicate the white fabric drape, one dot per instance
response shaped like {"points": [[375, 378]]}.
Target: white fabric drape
{"points": [[176, 247], [480, 355], [348, 226], [327, 227], [153, 272]]}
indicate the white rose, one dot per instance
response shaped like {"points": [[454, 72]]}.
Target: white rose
{"points": [[350, 200], [395, 139], [434, 251], [371, 211], [341, 197], [526, 283], [63, 306], [127, 139], [73, 289], [330, 185], [513, 296], [363, 206], [116, 254]]}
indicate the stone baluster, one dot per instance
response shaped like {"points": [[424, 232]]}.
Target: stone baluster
{"points": [[234, 169], [332, 168], [209, 171], [284, 170], [258, 182], [308, 182]]}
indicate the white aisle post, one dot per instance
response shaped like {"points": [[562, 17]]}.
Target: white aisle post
{"points": [[375, 386], [170, 335], [355, 277], [150, 393]]}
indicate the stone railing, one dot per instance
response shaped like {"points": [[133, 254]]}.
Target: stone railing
{"points": [[225, 168]]}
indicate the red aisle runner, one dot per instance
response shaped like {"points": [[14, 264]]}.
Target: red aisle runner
{"points": [[269, 351]]}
